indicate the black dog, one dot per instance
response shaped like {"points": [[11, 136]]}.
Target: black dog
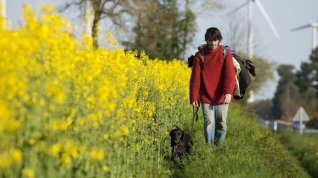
{"points": [[181, 143]]}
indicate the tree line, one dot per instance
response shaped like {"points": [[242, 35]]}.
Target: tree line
{"points": [[162, 28], [296, 88]]}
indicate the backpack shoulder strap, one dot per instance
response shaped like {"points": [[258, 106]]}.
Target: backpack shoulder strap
{"points": [[202, 56], [224, 51]]}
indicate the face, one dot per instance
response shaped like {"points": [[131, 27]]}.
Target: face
{"points": [[176, 135], [213, 44]]}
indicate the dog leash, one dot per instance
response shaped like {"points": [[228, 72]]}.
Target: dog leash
{"points": [[195, 116]]}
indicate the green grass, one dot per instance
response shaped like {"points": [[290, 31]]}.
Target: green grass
{"points": [[304, 148], [248, 151]]}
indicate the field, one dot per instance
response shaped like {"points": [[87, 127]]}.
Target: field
{"points": [[69, 110]]}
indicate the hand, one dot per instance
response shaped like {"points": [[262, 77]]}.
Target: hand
{"points": [[227, 98], [195, 104]]}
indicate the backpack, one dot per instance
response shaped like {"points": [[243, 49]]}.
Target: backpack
{"points": [[244, 71], [245, 76]]}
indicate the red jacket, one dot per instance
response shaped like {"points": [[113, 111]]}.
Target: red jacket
{"points": [[217, 77]]}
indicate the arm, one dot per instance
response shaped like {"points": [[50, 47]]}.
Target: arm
{"points": [[195, 80], [229, 77]]}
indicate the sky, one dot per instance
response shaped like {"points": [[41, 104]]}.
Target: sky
{"points": [[290, 48]]}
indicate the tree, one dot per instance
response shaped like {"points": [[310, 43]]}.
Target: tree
{"points": [[165, 28], [297, 89], [286, 97], [307, 76], [114, 10], [314, 62], [307, 82], [263, 108], [162, 30]]}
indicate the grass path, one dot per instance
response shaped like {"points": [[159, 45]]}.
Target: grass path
{"points": [[248, 151]]}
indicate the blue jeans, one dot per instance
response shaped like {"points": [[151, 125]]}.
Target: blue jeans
{"points": [[214, 122]]}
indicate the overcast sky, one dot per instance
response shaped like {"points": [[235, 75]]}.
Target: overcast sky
{"points": [[290, 48]]}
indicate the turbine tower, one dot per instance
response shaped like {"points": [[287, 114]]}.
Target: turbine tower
{"points": [[250, 20], [250, 31], [314, 26]]}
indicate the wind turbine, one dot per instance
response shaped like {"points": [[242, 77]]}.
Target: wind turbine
{"points": [[250, 20], [314, 26]]}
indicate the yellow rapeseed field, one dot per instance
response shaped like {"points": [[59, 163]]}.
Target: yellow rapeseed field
{"points": [[69, 110]]}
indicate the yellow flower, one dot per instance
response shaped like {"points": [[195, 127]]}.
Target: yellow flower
{"points": [[55, 92], [5, 110], [60, 98], [124, 130], [31, 141], [55, 150], [110, 38], [5, 160], [71, 149], [106, 136], [97, 154], [59, 124], [105, 168], [117, 134], [137, 148], [146, 93], [66, 160], [10, 125], [28, 173], [16, 155]]}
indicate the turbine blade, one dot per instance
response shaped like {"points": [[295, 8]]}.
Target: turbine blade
{"points": [[259, 5], [299, 28], [236, 9]]}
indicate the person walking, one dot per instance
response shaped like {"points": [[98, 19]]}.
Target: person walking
{"points": [[212, 84]]}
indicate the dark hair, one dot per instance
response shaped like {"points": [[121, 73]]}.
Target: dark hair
{"points": [[213, 34]]}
